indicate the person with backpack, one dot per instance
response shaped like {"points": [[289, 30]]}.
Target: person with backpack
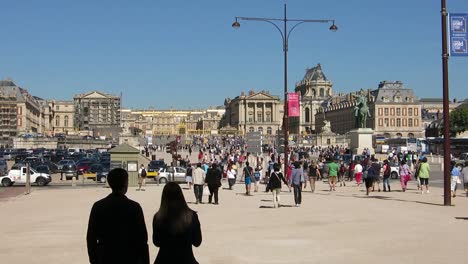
{"points": [[274, 184], [141, 178], [386, 176], [314, 173]]}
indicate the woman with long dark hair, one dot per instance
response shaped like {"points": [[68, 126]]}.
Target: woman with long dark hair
{"points": [[175, 228]]}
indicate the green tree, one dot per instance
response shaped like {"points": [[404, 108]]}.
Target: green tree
{"points": [[459, 120]]}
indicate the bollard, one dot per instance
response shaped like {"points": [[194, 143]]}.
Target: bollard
{"points": [[74, 181], [28, 179], [442, 166], [432, 158], [438, 159]]}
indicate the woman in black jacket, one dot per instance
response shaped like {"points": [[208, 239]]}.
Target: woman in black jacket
{"points": [[175, 228], [213, 180], [275, 184]]}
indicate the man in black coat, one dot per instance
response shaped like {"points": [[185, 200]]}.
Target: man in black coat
{"points": [[116, 229], [213, 180]]}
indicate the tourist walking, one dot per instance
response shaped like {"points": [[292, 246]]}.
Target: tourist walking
{"points": [[176, 228], [405, 175], [386, 176], [455, 173], [314, 173], [296, 182], [198, 176], [341, 173], [376, 165], [141, 178], [464, 173], [275, 184], [248, 178], [423, 173], [116, 228], [358, 172], [231, 175], [188, 175], [213, 180], [370, 177], [333, 168]]}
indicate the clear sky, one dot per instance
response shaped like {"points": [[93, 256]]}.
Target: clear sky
{"points": [[186, 55]]}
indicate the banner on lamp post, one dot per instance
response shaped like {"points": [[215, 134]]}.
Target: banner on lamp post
{"points": [[293, 104], [458, 38]]}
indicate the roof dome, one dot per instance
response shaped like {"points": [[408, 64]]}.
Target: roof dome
{"points": [[315, 74]]}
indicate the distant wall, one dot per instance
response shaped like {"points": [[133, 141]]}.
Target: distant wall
{"points": [[54, 143]]}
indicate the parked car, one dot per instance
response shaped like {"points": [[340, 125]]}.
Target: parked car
{"points": [[97, 172], [166, 174], [42, 168], [83, 166], [69, 171], [61, 163], [3, 167], [153, 168], [18, 174]]}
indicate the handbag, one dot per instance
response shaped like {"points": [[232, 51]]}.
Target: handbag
{"points": [[206, 191], [458, 180], [408, 177]]}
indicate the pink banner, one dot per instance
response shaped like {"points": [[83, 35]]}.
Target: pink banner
{"points": [[293, 104]]}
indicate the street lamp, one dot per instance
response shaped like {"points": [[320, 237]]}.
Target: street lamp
{"points": [[285, 36]]}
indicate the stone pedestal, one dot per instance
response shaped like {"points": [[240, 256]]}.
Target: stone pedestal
{"points": [[361, 139]]}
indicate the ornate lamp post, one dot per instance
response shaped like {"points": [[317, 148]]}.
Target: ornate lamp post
{"points": [[285, 34]]}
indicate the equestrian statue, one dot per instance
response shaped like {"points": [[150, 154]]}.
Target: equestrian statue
{"points": [[361, 110]]}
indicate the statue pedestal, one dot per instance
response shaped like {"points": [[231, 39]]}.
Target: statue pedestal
{"points": [[361, 139]]}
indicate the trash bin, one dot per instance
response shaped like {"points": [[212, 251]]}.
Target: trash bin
{"points": [[153, 157]]}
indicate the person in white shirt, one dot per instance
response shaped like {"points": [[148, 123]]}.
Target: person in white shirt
{"points": [[358, 173], [231, 175], [198, 177]]}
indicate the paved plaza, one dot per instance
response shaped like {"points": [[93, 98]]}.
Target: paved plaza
{"points": [[49, 226]]}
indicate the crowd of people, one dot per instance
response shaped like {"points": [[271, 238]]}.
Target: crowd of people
{"points": [[176, 227]]}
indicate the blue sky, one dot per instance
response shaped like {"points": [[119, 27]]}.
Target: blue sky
{"points": [[185, 54]]}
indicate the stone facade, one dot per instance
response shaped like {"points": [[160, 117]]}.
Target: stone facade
{"points": [[96, 110], [315, 90], [395, 112], [20, 112], [170, 122], [63, 117], [256, 111]]}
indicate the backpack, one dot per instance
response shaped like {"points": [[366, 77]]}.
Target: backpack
{"points": [[388, 170], [143, 173]]}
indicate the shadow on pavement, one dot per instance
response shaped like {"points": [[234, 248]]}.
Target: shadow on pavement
{"points": [[380, 197], [461, 218]]}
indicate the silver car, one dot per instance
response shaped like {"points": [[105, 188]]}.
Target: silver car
{"points": [[176, 174], [61, 163]]}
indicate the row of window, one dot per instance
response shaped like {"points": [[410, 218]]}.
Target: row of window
{"points": [[259, 117], [398, 111], [269, 130], [398, 122], [65, 121]]}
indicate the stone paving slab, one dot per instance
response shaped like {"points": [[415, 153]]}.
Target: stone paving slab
{"points": [[346, 226]]}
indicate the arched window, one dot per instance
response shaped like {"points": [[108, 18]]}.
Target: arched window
{"points": [[307, 115], [57, 121], [399, 135], [322, 92], [65, 121], [251, 129], [269, 130], [410, 135], [260, 129]]}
